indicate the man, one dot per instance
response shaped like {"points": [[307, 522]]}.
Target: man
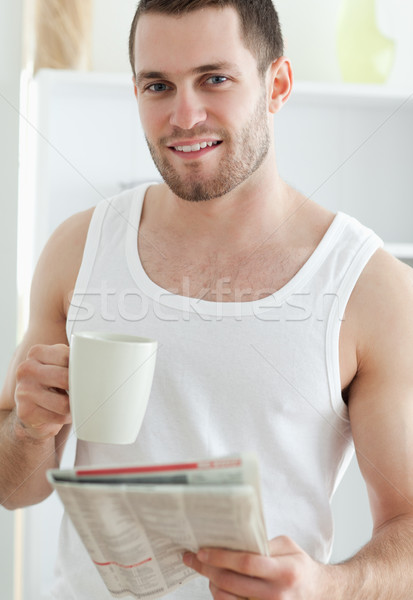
{"points": [[243, 281]]}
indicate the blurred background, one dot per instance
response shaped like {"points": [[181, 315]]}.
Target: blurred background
{"points": [[65, 90]]}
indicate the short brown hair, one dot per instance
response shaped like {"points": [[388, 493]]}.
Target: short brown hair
{"points": [[260, 25]]}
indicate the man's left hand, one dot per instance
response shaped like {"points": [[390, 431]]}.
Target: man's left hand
{"points": [[287, 574]]}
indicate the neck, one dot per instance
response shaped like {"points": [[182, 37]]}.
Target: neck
{"points": [[246, 216]]}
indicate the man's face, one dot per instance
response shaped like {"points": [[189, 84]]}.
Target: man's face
{"points": [[202, 103]]}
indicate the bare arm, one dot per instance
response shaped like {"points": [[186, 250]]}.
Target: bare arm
{"points": [[34, 407], [380, 320], [381, 413]]}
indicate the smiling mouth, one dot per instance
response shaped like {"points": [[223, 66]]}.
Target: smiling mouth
{"points": [[195, 147]]}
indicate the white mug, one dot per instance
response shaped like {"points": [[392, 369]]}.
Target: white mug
{"points": [[110, 379]]}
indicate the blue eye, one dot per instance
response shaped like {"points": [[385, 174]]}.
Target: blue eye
{"points": [[217, 79], [158, 87]]}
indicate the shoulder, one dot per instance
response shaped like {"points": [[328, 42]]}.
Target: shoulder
{"points": [[380, 310], [60, 261], [73, 229], [65, 246], [381, 394]]}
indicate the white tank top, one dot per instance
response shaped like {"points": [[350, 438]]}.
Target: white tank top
{"points": [[258, 376]]}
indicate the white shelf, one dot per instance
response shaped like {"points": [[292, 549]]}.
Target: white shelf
{"points": [[303, 91], [351, 95], [56, 76], [402, 251], [347, 146]]}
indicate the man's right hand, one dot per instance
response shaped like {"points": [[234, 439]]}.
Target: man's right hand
{"points": [[34, 404], [42, 402]]}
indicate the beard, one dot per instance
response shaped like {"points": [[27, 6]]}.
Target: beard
{"points": [[244, 155]]}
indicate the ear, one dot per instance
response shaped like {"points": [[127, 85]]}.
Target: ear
{"points": [[280, 83], [135, 89]]}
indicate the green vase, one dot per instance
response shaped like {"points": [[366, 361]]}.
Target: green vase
{"points": [[365, 55]]}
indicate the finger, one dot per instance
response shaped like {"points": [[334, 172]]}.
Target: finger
{"points": [[57, 355], [235, 584], [40, 414], [228, 581], [29, 403], [272, 572], [282, 546], [54, 377], [41, 431], [222, 595], [247, 563], [31, 371], [54, 402]]}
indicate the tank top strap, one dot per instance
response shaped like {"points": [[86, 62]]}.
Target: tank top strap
{"points": [[340, 274], [112, 216]]}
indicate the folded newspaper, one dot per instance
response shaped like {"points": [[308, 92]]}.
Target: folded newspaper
{"points": [[136, 522]]}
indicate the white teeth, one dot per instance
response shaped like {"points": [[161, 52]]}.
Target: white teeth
{"points": [[195, 147]]}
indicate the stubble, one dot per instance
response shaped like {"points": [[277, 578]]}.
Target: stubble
{"points": [[242, 157]]}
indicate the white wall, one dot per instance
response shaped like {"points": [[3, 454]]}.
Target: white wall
{"points": [[309, 32], [111, 24], [10, 60]]}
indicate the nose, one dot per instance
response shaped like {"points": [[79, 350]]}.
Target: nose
{"points": [[188, 109]]}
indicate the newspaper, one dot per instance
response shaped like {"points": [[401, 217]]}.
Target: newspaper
{"points": [[136, 522]]}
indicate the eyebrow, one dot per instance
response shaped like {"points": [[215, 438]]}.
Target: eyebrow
{"points": [[218, 66]]}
